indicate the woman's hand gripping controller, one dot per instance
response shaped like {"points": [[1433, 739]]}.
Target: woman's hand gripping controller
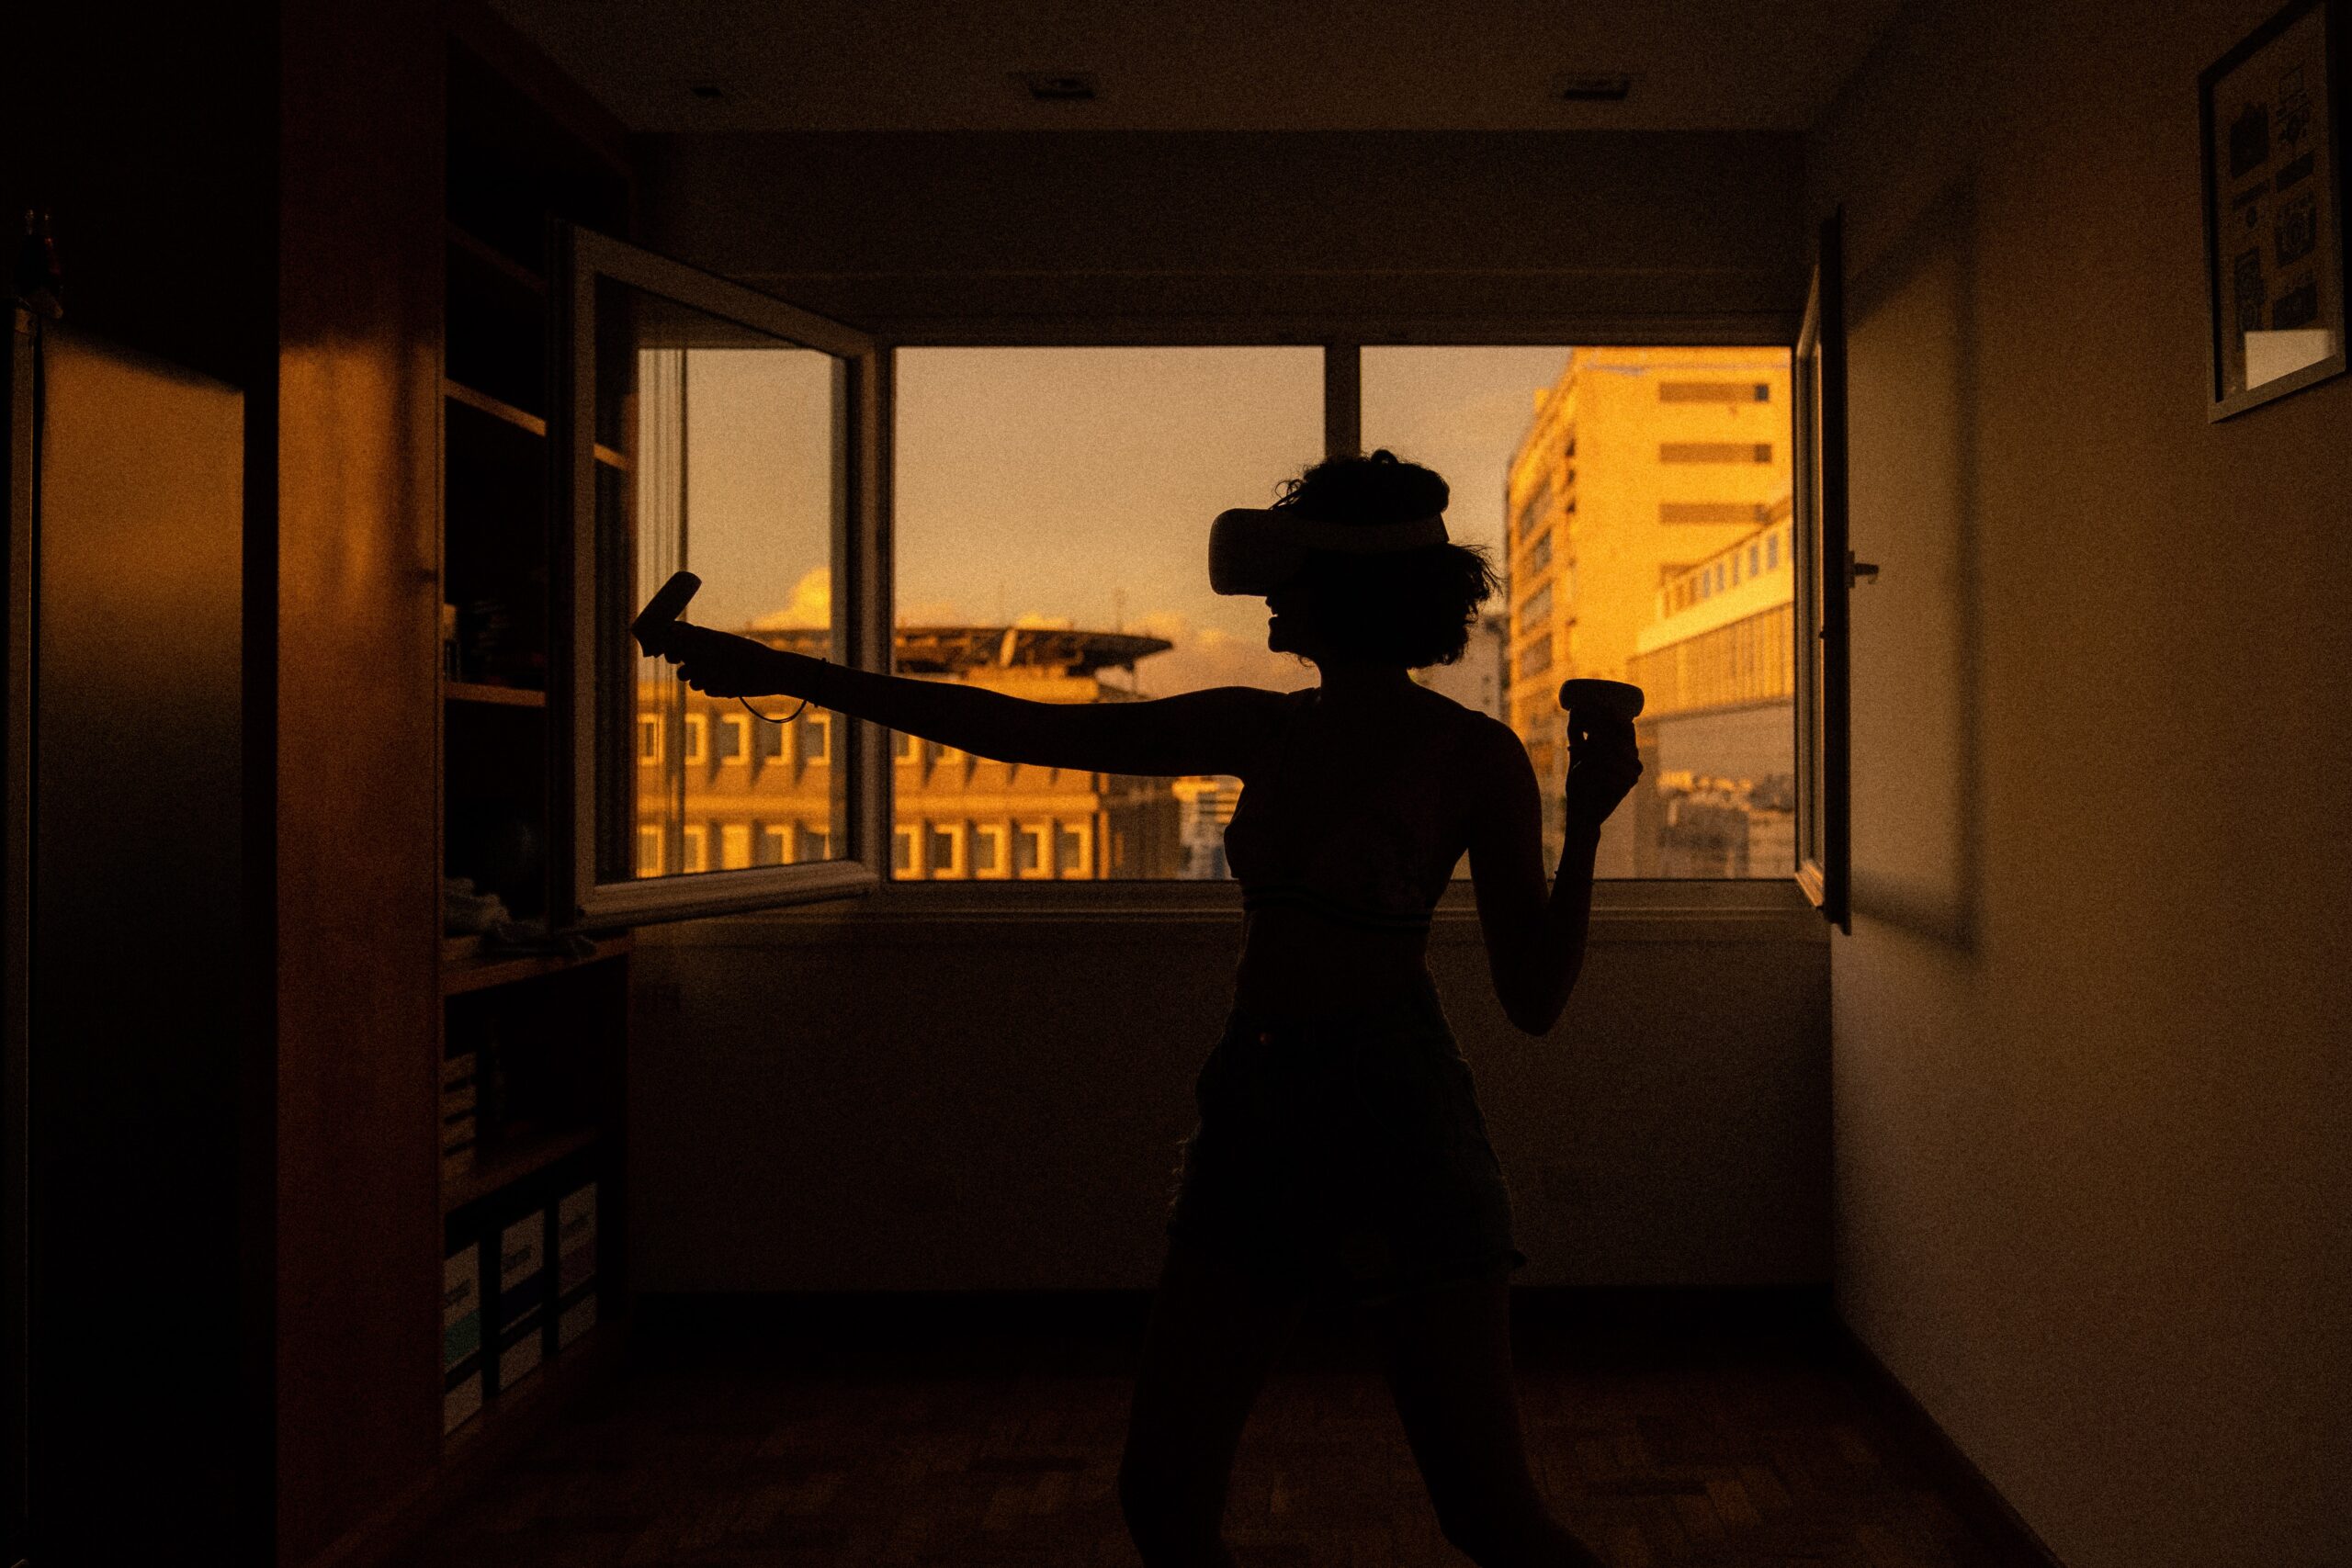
{"points": [[1604, 762]]}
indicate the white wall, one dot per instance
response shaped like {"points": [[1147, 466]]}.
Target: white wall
{"points": [[2093, 1179], [948, 1099]]}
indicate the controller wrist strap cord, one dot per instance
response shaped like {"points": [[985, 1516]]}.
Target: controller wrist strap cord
{"points": [[770, 718]]}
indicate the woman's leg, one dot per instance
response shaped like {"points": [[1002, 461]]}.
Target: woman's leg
{"points": [[1448, 1353], [1214, 1333]]}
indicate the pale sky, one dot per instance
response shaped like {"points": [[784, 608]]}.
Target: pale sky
{"points": [[1046, 484]]}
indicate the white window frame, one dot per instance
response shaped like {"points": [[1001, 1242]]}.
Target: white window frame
{"points": [[906, 851], [1039, 831], [865, 590], [785, 836], [959, 865], [741, 723], [649, 725], [695, 856], [648, 835], [1084, 832], [697, 751]]}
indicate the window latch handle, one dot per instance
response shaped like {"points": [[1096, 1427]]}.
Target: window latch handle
{"points": [[1859, 570]]}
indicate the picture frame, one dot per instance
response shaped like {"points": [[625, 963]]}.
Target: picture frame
{"points": [[2273, 156]]}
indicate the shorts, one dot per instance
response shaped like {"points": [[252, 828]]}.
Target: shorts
{"points": [[1344, 1159]]}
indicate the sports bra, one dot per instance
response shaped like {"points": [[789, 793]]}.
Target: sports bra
{"points": [[1357, 876]]}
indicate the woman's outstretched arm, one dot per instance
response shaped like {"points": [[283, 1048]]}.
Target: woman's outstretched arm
{"points": [[1536, 938], [1213, 732]]}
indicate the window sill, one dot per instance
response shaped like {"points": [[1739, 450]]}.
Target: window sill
{"points": [[1623, 911]]}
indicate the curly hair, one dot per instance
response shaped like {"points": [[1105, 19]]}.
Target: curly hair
{"points": [[1413, 608]]}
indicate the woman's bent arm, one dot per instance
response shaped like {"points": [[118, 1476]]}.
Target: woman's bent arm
{"points": [[1535, 936], [1213, 731]]}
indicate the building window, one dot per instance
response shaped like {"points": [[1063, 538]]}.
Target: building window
{"points": [[775, 845], [816, 736], [1772, 552], [649, 851], [1714, 452], [904, 748], [1539, 554], [815, 844], [649, 745], [697, 855], [1711, 512], [1538, 607], [697, 738], [904, 841], [1073, 846], [1030, 844], [988, 850], [734, 846], [770, 745], [946, 856], [734, 737], [1536, 657], [1715, 392]]}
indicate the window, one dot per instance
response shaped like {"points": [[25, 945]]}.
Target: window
{"points": [[905, 840], [904, 748], [769, 739], [1714, 452], [1535, 657], [775, 845], [946, 856], [1051, 509], [718, 431], [1647, 602], [988, 850], [1073, 848], [815, 844], [1029, 847], [816, 735], [1539, 554], [1817, 538], [1715, 392]]}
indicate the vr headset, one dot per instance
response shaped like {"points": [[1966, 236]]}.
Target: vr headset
{"points": [[1256, 550]]}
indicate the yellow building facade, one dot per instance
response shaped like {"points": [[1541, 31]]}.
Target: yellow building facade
{"points": [[1639, 465], [719, 789]]}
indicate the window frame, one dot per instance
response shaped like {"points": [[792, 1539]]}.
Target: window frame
{"points": [[1822, 564], [865, 591], [581, 600]]}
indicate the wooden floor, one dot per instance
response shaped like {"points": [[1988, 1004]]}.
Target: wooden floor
{"points": [[930, 1432]]}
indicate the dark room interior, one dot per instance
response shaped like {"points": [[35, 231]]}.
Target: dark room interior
{"points": [[1926, 1151]]}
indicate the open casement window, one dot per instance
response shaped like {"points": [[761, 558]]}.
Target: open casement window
{"points": [[702, 425], [1824, 579]]}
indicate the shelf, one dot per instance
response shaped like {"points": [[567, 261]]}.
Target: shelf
{"points": [[458, 392], [496, 696], [513, 1164], [507, 1420], [497, 261], [463, 970]]}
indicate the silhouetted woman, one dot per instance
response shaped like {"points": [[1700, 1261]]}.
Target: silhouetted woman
{"points": [[1339, 1154]]}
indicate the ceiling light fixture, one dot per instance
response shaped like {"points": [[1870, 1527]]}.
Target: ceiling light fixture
{"points": [[1057, 86], [1593, 88]]}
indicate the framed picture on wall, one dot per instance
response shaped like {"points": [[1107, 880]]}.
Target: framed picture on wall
{"points": [[2274, 207]]}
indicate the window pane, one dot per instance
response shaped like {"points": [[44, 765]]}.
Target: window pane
{"points": [[1629, 489], [721, 452], [1052, 512]]}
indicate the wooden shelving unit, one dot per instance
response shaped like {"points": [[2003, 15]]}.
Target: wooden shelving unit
{"points": [[476, 972], [545, 1034]]}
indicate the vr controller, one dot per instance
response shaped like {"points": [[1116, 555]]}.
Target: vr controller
{"points": [[651, 626], [1613, 699]]}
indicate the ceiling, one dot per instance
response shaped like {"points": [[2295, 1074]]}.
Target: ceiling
{"points": [[1204, 65]]}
